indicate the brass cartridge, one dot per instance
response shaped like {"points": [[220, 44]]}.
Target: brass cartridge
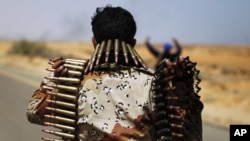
{"points": [[65, 96], [60, 126], [73, 66], [64, 79], [65, 87], [73, 72], [61, 119], [60, 134], [62, 111], [63, 104]]}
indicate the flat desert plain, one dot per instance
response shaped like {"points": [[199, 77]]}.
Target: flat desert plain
{"points": [[224, 71]]}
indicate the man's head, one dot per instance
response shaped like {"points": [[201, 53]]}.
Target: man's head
{"points": [[167, 47], [113, 23]]}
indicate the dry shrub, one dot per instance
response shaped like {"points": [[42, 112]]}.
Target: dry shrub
{"points": [[31, 49]]}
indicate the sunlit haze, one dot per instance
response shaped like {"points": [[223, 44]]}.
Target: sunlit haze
{"points": [[192, 21]]}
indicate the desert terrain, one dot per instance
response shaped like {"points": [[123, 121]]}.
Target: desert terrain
{"points": [[224, 71]]}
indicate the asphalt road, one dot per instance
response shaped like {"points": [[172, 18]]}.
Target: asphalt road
{"points": [[17, 88]]}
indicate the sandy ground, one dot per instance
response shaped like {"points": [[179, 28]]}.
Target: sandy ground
{"points": [[224, 70]]}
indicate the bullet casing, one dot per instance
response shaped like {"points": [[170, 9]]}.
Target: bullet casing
{"points": [[65, 96], [61, 119], [73, 72], [73, 66], [65, 87], [74, 63], [68, 105], [61, 134], [76, 60], [60, 126], [62, 111], [65, 79]]}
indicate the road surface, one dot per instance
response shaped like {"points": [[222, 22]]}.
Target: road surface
{"points": [[17, 88]]}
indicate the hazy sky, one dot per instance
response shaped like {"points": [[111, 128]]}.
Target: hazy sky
{"points": [[190, 21]]}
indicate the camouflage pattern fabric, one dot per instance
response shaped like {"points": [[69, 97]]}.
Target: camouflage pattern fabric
{"points": [[115, 106]]}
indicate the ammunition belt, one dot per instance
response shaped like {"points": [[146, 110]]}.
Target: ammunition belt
{"points": [[118, 49], [177, 103], [64, 105]]}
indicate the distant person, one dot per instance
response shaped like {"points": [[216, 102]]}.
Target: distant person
{"points": [[169, 51]]}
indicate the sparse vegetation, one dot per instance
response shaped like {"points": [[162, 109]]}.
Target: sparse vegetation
{"points": [[31, 49]]}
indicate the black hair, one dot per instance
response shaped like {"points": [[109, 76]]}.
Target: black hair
{"points": [[113, 23]]}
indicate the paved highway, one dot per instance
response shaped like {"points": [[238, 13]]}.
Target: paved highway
{"points": [[16, 89]]}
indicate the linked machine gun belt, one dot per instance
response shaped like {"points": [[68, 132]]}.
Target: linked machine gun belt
{"points": [[63, 105], [177, 103]]}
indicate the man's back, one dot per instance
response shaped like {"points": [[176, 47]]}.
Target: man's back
{"points": [[115, 106]]}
